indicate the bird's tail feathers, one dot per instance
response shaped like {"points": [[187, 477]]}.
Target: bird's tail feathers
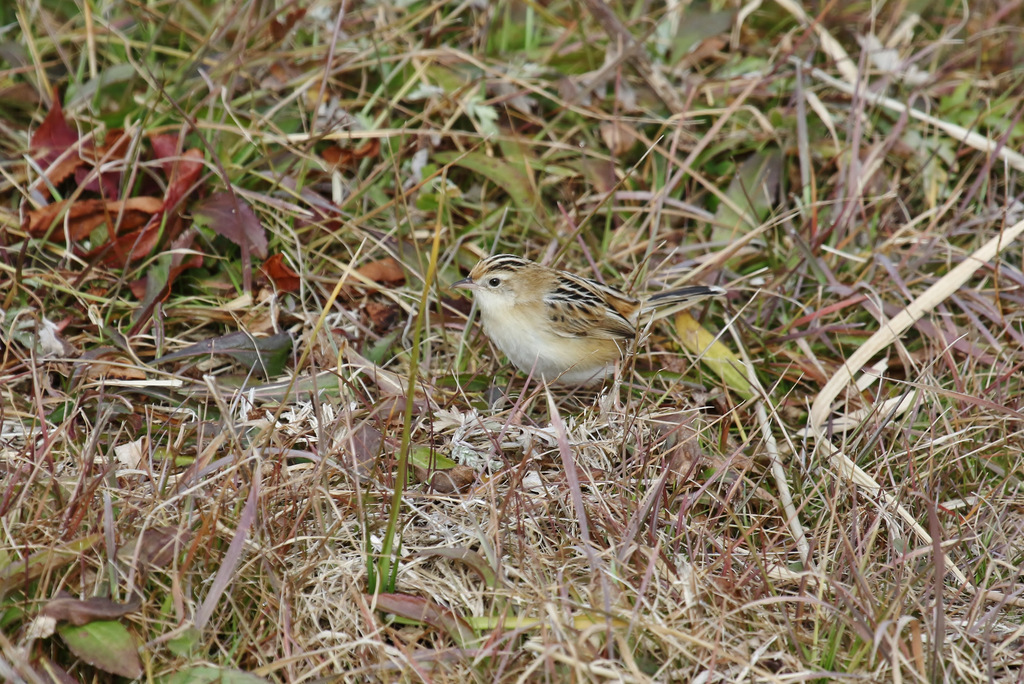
{"points": [[670, 302]]}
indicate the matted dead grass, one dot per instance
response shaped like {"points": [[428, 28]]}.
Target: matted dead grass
{"points": [[248, 431]]}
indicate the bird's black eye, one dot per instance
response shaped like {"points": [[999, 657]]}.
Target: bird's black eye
{"points": [[494, 282]]}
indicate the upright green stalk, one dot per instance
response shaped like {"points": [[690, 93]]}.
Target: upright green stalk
{"points": [[381, 571]]}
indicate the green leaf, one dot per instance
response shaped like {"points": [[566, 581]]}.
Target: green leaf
{"points": [[752, 194], [425, 457], [265, 355], [106, 645], [512, 178], [185, 644]]}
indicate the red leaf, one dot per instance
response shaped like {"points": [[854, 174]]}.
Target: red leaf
{"points": [[231, 217], [151, 291], [382, 316], [52, 140], [54, 136], [106, 183], [184, 174], [125, 249], [284, 278], [165, 146], [182, 168]]}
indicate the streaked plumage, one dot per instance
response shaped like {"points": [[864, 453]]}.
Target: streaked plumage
{"points": [[560, 326]]}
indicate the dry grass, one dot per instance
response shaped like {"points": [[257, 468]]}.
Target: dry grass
{"points": [[832, 492]]}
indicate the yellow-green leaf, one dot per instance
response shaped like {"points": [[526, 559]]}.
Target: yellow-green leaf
{"points": [[714, 354]]}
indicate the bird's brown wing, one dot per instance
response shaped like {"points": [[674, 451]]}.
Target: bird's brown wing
{"points": [[578, 307]]}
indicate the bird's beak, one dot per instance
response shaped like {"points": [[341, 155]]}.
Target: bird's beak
{"points": [[464, 284]]}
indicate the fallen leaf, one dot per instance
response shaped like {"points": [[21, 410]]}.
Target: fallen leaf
{"points": [[279, 28], [707, 48], [106, 645], [713, 353], [129, 247], [53, 137], [82, 612], [454, 480], [285, 279], [333, 155], [337, 155], [361, 448], [600, 173], [277, 76], [382, 316], [422, 610], [228, 215], [109, 363], [386, 271], [156, 546], [71, 165], [617, 136], [265, 355], [390, 409], [105, 183], [131, 454], [182, 169], [84, 216]]}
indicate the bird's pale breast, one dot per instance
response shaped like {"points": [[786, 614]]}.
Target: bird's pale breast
{"points": [[525, 338]]}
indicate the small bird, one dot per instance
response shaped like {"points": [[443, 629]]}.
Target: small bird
{"points": [[562, 327]]}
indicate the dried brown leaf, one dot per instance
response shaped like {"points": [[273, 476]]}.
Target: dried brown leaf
{"points": [[386, 271], [285, 279], [416, 608], [279, 28], [84, 216], [617, 136], [82, 612], [347, 156], [454, 480], [156, 546]]}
